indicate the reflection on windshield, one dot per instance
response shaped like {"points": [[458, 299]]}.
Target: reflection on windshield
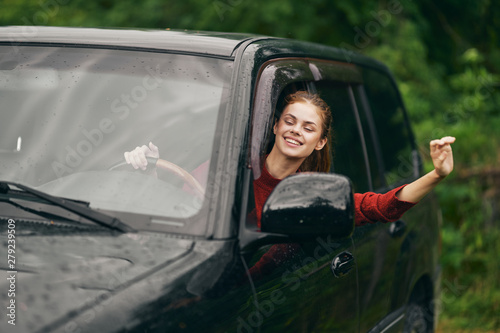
{"points": [[68, 115]]}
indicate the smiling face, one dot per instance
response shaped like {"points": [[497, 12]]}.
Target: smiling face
{"points": [[299, 131]]}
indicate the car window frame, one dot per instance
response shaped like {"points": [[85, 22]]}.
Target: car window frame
{"points": [[265, 100]]}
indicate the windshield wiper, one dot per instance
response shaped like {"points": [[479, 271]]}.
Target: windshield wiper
{"points": [[78, 207]]}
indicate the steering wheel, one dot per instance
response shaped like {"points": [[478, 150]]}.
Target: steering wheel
{"points": [[171, 168]]}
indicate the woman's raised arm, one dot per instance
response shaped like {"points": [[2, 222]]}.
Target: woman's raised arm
{"points": [[442, 158]]}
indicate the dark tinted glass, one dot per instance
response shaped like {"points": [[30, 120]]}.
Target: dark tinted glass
{"points": [[389, 119], [346, 148], [371, 138]]}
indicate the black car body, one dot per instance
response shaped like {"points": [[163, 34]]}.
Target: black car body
{"points": [[131, 251]]}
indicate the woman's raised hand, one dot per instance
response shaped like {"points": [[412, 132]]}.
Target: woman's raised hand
{"points": [[137, 157], [442, 158], [442, 155]]}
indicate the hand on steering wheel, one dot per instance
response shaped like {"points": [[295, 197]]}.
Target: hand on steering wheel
{"points": [[137, 157]]}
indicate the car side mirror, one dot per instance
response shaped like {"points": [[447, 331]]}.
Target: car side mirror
{"points": [[310, 205]]}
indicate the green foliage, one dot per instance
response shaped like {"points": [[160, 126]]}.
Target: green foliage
{"points": [[445, 56], [473, 299]]}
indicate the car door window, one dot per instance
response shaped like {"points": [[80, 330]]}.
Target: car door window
{"points": [[347, 149], [370, 134], [398, 155]]}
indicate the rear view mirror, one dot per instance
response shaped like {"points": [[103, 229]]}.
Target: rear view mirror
{"points": [[309, 205]]}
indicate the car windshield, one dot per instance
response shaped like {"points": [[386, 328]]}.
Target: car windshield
{"points": [[68, 115]]}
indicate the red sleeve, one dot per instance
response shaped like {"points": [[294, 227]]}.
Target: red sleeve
{"points": [[384, 207], [277, 255]]}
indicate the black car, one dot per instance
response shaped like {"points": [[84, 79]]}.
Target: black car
{"points": [[91, 245]]}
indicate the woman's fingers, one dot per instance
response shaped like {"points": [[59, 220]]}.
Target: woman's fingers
{"points": [[443, 141], [137, 157], [153, 151], [141, 157], [442, 156], [442, 144], [134, 158]]}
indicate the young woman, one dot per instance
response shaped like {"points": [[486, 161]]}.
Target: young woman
{"points": [[301, 144]]}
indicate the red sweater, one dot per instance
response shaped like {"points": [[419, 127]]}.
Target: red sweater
{"points": [[369, 207]]}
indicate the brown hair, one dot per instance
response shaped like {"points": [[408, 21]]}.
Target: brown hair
{"points": [[319, 160]]}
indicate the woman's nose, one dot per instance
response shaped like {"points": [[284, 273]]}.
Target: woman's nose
{"points": [[295, 129]]}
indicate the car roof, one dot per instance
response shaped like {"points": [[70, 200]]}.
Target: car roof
{"points": [[205, 42], [217, 44]]}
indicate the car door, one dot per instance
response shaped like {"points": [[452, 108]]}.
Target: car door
{"points": [[382, 250], [357, 154], [299, 286], [393, 161]]}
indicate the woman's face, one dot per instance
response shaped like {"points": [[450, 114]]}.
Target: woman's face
{"points": [[299, 131]]}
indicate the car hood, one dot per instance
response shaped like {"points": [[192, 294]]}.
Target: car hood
{"points": [[58, 277]]}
